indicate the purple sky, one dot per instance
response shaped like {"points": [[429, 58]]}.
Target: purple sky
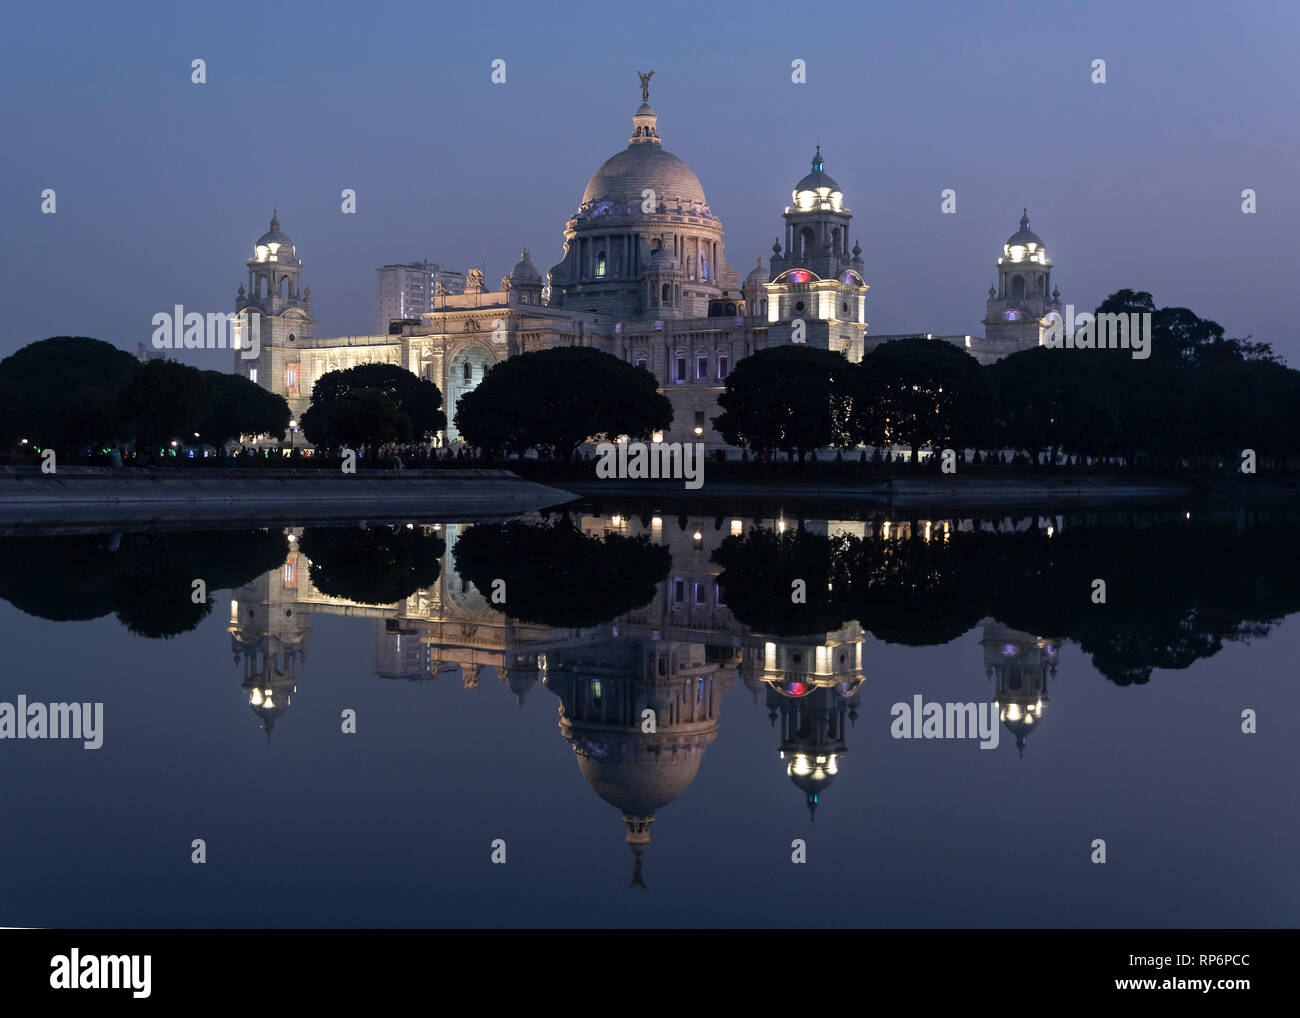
{"points": [[163, 185]]}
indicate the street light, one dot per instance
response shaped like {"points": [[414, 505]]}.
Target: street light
{"points": [[293, 430]]}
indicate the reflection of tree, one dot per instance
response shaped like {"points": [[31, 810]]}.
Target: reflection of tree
{"points": [[1175, 591], [555, 575], [760, 568], [373, 565], [913, 591], [147, 579]]}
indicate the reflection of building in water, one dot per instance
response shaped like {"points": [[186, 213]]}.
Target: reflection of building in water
{"points": [[813, 688], [1020, 664], [269, 635], [605, 689]]}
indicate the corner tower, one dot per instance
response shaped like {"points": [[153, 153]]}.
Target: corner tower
{"points": [[816, 293], [283, 304], [1020, 306]]}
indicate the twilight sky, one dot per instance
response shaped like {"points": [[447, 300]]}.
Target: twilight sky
{"points": [[163, 185]]}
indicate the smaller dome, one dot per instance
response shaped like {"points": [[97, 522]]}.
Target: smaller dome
{"points": [[662, 258], [283, 245], [818, 178], [525, 272], [1024, 236], [757, 276]]}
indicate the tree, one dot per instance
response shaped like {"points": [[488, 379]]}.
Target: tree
{"points": [[930, 394], [240, 407], [357, 417], [554, 400], [1053, 399], [416, 399], [163, 401], [68, 386], [795, 399]]}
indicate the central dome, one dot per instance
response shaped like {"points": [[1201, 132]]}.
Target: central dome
{"points": [[619, 186], [622, 180]]}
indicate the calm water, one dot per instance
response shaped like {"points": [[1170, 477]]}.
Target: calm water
{"points": [[523, 721]]}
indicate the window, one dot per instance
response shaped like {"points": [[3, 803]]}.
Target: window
{"points": [[719, 598], [723, 362], [700, 597], [704, 269], [468, 372], [679, 591], [641, 363], [681, 368], [600, 265], [667, 293], [291, 379], [252, 374], [701, 367]]}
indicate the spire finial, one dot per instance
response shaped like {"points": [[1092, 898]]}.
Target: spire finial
{"points": [[1024, 219], [818, 164]]}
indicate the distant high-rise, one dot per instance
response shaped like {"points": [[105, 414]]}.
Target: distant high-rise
{"points": [[406, 291]]}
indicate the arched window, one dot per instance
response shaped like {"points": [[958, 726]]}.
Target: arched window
{"points": [[806, 239], [731, 309], [835, 240], [667, 293], [600, 265], [467, 372], [1017, 288], [704, 269]]}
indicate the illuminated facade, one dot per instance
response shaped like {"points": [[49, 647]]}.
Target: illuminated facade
{"points": [[643, 276]]}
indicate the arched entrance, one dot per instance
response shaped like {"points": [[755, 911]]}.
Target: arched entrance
{"points": [[465, 371]]}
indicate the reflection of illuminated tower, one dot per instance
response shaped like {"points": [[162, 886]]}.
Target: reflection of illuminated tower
{"points": [[1021, 664], [603, 690], [521, 676], [814, 686], [270, 638]]}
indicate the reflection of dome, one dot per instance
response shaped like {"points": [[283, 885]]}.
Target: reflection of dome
{"points": [[640, 780], [812, 775]]}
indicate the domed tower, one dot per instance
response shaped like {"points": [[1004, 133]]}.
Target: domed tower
{"points": [[641, 201], [284, 317], [524, 281], [1021, 664], [817, 294], [1022, 303], [755, 291], [604, 690], [813, 691]]}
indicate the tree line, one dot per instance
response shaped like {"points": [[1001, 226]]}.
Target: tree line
{"points": [[1200, 399], [76, 395]]}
